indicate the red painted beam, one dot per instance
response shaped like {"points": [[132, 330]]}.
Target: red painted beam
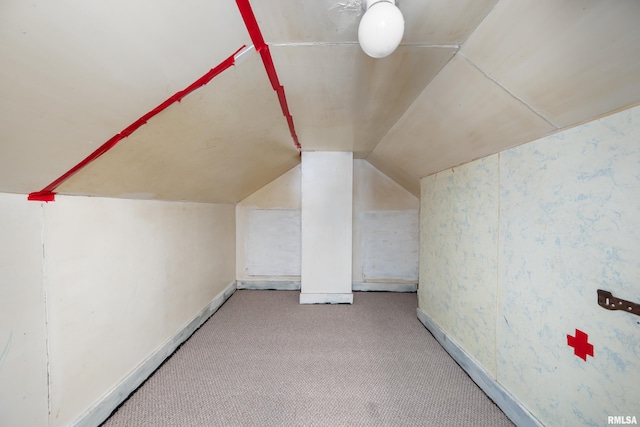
{"points": [[258, 41], [47, 194]]}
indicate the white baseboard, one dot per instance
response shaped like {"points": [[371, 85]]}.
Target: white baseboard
{"points": [[505, 401], [294, 285], [279, 285], [385, 287], [307, 298], [102, 409]]}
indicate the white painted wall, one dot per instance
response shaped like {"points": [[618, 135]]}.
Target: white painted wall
{"points": [[273, 242], [390, 246], [23, 356], [327, 208], [513, 249], [268, 213], [122, 278], [385, 228], [374, 196]]}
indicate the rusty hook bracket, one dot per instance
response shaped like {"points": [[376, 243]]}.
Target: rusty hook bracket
{"points": [[608, 301]]}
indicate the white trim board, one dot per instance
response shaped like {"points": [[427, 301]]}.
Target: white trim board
{"points": [[385, 287], [101, 410], [278, 285], [310, 298], [294, 285], [517, 413]]}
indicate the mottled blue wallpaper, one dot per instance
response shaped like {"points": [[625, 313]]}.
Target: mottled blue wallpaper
{"points": [[458, 255], [568, 223]]}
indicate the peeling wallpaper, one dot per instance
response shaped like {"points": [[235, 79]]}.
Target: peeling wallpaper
{"points": [[568, 224]]}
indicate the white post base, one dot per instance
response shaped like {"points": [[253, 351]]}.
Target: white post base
{"points": [[326, 298]]}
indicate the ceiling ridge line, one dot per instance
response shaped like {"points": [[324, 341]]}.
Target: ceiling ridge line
{"points": [[250, 22], [412, 102], [458, 48], [47, 194], [293, 44], [436, 45], [350, 43], [513, 95], [486, 16]]}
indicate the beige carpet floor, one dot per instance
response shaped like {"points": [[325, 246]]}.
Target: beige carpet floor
{"points": [[265, 360]]}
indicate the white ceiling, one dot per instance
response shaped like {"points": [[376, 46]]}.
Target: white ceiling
{"points": [[471, 78]]}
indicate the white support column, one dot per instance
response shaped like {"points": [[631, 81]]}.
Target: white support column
{"points": [[327, 204]]}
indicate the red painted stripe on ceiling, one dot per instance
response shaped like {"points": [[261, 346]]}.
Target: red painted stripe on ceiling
{"points": [[258, 41], [265, 53], [47, 194], [250, 22]]}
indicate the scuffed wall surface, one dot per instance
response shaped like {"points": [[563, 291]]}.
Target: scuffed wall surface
{"points": [[569, 215], [569, 225], [23, 356], [123, 277], [459, 247]]}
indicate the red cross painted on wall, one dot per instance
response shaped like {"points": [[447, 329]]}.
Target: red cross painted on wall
{"points": [[580, 344]]}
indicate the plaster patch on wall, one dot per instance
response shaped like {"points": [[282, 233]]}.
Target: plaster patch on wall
{"points": [[273, 242], [570, 224], [390, 244], [459, 255]]}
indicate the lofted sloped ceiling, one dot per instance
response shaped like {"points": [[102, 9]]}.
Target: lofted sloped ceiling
{"points": [[472, 77]]}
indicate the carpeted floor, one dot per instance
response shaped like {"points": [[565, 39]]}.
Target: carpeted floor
{"points": [[265, 360]]}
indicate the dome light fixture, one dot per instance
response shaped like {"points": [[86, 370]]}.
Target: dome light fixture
{"points": [[381, 28]]}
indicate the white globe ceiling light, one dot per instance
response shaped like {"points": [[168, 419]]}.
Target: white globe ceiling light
{"points": [[381, 28]]}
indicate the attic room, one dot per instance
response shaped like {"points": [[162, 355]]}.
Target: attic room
{"points": [[159, 161]]}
